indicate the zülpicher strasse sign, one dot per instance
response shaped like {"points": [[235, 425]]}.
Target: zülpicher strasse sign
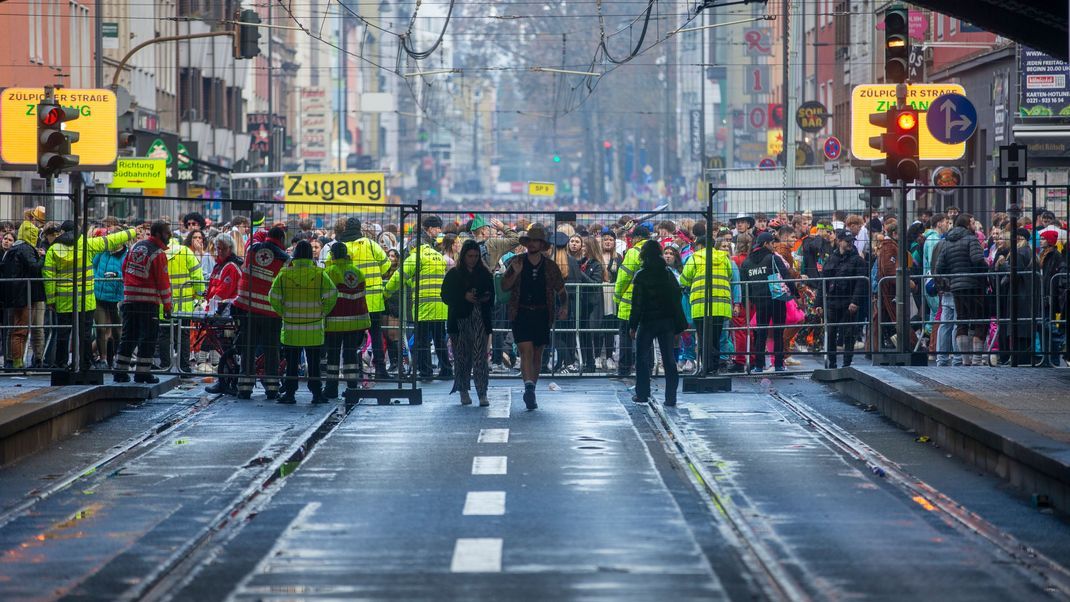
{"points": [[97, 126], [876, 98]]}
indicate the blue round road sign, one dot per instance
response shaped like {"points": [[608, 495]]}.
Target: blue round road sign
{"points": [[952, 119], [767, 163], [832, 148]]}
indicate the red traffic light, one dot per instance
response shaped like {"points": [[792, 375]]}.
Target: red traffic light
{"points": [[907, 121], [607, 144], [52, 116]]}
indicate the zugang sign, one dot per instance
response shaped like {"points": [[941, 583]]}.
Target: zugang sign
{"points": [[315, 192]]}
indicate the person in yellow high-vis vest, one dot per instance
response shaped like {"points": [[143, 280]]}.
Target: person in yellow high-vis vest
{"points": [[622, 297], [63, 276], [693, 278], [187, 285], [303, 296], [431, 312], [371, 260]]}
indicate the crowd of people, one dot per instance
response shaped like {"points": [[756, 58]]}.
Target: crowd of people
{"points": [[460, 299]]}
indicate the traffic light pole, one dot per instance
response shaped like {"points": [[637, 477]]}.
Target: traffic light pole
{"points": [[902, 281]]}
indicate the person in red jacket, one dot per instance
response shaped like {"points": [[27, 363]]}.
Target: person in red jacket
{"points": [[146, 286], [260, 325], [223, 288], [226, 275]]}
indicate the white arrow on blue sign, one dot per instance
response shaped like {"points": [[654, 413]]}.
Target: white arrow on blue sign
{"points": [[952, 119]]}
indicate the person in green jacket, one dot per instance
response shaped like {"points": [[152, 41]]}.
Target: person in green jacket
{"points": [[303, 295], [64, 276]]}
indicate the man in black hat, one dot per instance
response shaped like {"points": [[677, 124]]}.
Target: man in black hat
{"points": [[432, 227]]}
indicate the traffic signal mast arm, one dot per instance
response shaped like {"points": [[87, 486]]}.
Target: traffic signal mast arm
{"points": [[246, 36], [135, 49]]}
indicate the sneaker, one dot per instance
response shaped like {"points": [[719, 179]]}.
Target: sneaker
{"points": [[780, 369], [529, 398], [286, 398], [483, 401], [318, 399], [146, 379], [466, 398], [570, 369], [600, 363], [735, 368], [610, 364], [637, 399], [790, 361], [121, 377]]}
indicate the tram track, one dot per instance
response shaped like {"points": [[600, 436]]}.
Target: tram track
{"points": [[188, 559], [128, 450], [1055, 577], [766, 560]]}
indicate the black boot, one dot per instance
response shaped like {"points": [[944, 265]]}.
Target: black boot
{"points": [[147, 379]]}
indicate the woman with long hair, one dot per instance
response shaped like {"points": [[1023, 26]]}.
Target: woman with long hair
{"points": [[449, 248], [197, 243], [537, 296], [565, 329], [604, 343], [656, 305], [468, 292], [591, 301]]}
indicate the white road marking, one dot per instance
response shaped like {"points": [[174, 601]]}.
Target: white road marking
{"points": [[494, 435], [478, 555], [483, 465], [484, 503], [699, 413], [500, 404]]}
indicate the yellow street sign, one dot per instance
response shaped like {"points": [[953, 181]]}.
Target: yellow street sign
{"points": [[307, 192], [542, 189], [875, 98], [140, 173], [774, 142], [97, 126]]}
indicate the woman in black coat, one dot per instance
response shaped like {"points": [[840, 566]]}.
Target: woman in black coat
{"points": [[468, 292], [656, 305]]}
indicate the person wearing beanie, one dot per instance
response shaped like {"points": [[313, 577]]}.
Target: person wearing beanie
{"points": [[345, 324], [843, 295], [370, 258], [21, 264], [302, 295], [1052, 266], [63, 281], [259, 323]]}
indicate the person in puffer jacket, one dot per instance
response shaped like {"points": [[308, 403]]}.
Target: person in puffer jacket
{"points": [[960, 255]]}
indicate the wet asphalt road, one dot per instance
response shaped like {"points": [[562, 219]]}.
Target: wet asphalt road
{"points": [[585, 498]]}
